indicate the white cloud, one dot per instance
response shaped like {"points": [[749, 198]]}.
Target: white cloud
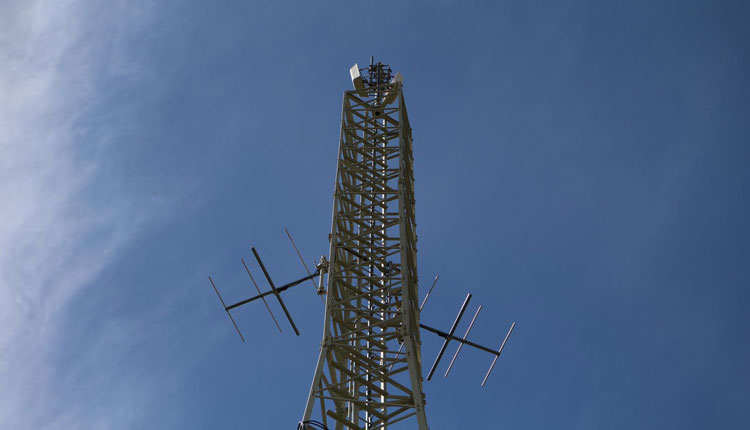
{"points": [[54, 237]]}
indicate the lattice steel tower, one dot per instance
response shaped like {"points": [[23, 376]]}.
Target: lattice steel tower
{"points": [[369, 371], [364, 379]]}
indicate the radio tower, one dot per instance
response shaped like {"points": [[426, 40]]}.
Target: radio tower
{"points": [[364, 379], [369, 371]]}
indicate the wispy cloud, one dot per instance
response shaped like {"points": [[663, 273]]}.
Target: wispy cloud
{"points": [[55, 238]]}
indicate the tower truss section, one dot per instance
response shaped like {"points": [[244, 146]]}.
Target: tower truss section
{"points": [[368, 374]]}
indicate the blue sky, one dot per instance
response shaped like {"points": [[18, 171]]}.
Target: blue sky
{"points": [[581, 168]]}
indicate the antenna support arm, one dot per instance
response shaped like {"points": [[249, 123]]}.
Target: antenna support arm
{"points": [[449, 336], [278, 290]]}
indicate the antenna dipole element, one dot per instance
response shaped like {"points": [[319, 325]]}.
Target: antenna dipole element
{"points": [[500, 351], [460, 345], [450, 334], [260, 294], [226, 309]]}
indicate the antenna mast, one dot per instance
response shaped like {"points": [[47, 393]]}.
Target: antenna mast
{"points": [[369, 371], [362, 379]]}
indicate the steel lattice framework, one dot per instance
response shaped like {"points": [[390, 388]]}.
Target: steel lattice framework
{"points": [[368, 374]]}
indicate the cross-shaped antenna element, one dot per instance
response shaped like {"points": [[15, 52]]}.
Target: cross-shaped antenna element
{"points": [[275, 291], [448, 336], [321, 269]]}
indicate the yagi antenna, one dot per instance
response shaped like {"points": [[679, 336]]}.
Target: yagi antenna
{"points": [[276, 291], [449, 336]]}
